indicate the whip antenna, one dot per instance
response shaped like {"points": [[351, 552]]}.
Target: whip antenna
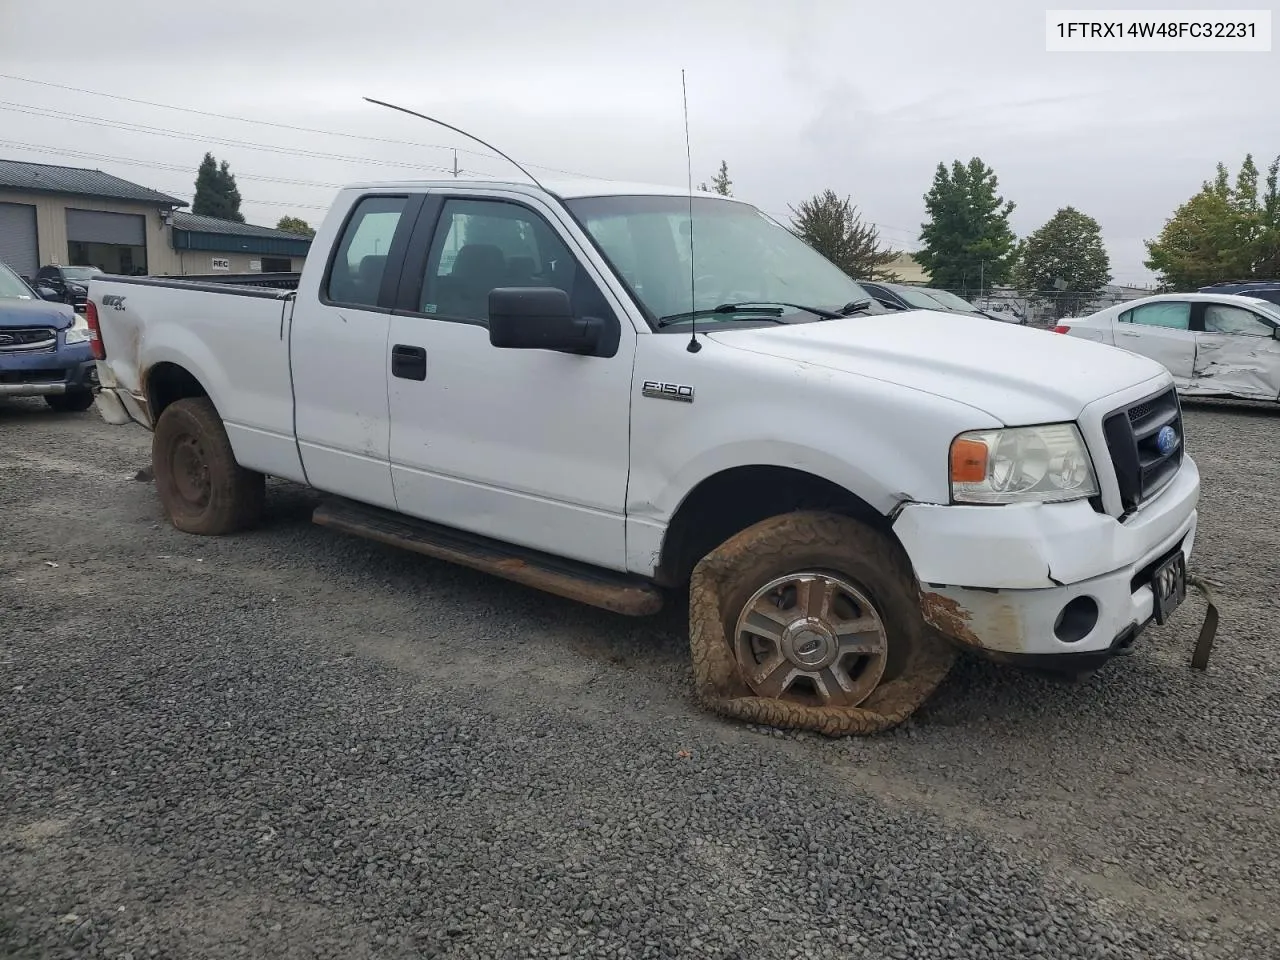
{"points": [[694, 345], [448, 126]]}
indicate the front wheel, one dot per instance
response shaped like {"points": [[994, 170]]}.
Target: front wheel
{"points": [[812, 621], [201, 486], [77, 401]]}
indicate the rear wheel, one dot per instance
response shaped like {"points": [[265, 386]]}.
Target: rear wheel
{"points": [[201, 486], [76, 401], [812, 620]]}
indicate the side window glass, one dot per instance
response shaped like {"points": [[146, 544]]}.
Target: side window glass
{"points": [[1220, 318], [1172, 316], [1126, 317], [361, 257], [481, 245]]}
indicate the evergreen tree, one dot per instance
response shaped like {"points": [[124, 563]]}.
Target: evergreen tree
{"points": [[720, 183], [967, 240], [216, 192], [833, 227]]}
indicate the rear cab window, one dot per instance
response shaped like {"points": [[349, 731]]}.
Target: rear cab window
{"points": [[360, 258]]}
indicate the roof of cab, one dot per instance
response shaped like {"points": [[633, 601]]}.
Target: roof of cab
{"points": [[564, 189]]}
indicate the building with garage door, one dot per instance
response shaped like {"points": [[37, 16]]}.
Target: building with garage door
{"points": [[208, 245], [76, 217]]}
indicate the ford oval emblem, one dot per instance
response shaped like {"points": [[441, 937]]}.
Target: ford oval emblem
{"points": [[1167, 440]]}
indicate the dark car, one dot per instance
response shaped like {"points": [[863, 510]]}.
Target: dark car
{"points": [[68, 285], [902, 296], [1262, 289], [45, 349]]}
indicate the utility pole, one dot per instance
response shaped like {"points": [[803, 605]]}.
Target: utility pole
{"points": [[982, 273], [455, 164]]}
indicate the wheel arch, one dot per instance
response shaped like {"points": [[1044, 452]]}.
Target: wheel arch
{"points": [[732, 499], [168, 381]]}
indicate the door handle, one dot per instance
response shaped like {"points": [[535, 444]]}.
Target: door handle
{"points": [[1125, 334], [408, 362]]}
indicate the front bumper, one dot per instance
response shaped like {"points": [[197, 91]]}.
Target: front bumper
{"points": [[999, 579], [65, 371]]}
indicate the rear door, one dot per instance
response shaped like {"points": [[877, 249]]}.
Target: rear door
{"points": [[1236, 352], [339, 352], [1161, 331]]}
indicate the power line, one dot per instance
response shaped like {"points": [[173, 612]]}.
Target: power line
{"points": [[85, 155], [198, 138], [269, 123]]}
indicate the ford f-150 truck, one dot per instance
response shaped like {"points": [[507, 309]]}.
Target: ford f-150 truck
{"points": [[557, 384]]}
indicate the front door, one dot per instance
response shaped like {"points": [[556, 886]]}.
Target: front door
{"points": [[525, 446], [338, 353], [1237, 352], [1161, 331]]}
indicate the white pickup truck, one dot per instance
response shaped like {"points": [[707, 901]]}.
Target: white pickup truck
{"points": [[545, 383]]}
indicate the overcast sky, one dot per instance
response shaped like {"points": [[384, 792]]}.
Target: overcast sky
{"points": [[863, 98]]}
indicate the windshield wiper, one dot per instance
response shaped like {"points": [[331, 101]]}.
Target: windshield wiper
{"points": [[764, 311], [816, 311], [767, 308], [854, 306]]}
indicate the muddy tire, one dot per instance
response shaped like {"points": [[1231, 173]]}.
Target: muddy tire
{"points": [[76, 401], [812, 621], [202, 488]]}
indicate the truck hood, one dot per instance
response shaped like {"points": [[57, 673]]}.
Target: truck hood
{"points": [[35, 313], [1019, 375]]}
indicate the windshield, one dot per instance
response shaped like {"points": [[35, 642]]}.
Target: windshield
{"points": [[81, 273], [740, 256], [917, 298], [951, 301], [11, 285]]}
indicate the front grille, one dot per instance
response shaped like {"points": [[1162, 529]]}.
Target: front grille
{"points": [[27, 339], [33, 375], [1132, 433]]}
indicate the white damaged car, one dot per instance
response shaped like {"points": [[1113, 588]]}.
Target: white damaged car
{"points": [[1214, 344]]}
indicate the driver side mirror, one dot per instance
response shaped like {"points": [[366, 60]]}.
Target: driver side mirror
{"points": [[46, 292], [540, 318]]}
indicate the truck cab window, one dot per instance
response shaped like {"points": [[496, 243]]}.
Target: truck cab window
{"points": [[360, 259], [481, 245]]}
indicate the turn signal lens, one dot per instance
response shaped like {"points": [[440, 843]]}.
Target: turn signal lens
{"points": [[968, 460]]}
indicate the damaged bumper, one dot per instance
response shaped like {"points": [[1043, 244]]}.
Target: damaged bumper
{"points": [[1056, 585], [116, 405]]}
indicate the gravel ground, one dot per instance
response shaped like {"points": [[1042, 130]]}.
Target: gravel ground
{"points": [[298, 744]]}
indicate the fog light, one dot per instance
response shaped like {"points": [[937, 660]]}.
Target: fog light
{"points": [[1076, 620]]}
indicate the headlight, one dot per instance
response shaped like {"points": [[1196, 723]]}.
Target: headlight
{"points": [[1046, 464], [78, 332]]}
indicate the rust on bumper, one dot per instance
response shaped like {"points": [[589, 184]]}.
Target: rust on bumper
{"points": [[986, 621]]}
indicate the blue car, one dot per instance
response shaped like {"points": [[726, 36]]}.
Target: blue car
{"points": [[45, 350]]}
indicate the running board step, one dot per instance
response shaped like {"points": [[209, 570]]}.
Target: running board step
{"points": [[616, 592]]}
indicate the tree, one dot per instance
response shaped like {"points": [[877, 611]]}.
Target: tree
{"points": [[720, 183], [216, 192], [1223, 232], [833, 227], [1064, 262], [967, 241], [296, 225]]}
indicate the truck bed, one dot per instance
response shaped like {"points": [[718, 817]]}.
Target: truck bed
{"points": [[234, 331]]}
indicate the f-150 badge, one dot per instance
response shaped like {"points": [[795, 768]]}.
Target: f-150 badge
{"points": [[667, 391]]}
